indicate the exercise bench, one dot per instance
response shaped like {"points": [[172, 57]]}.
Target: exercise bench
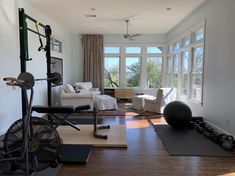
{"points": [[53, 112]]}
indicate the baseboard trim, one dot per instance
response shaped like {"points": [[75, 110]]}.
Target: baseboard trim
{"points": [[217, 129]]}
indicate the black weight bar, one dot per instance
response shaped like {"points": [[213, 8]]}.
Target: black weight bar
{"points": [[55, 78]]}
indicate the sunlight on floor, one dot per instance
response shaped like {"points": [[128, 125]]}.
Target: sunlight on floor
{"points": [[131, 114], [158, 121], [137, 124], [144, 123]]}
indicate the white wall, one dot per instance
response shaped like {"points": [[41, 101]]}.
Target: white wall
{"points": [[219, 64], [77, 65], [9, 64], [10, 99]]}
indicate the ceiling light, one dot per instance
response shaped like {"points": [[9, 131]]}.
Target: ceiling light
{"points": [[92, 9]]}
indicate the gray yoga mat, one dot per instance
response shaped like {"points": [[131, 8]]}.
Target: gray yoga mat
{"points": [[188, 143], [75, 153], [47, 172]]}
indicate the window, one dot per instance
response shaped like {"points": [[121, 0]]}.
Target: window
{"points": [[132, 72], [198, 35], [56, 44], [197, 69], [170, 49], [111, 71], [133, 66], [185, 41], [111, 50], [175, 71], [184, 73], [176, 46], [154, 50], [185, 63], [154, 72], [169, 70], [133, 50]]}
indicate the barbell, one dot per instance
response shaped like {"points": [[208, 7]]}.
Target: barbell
{"points": [[26, 80], [54, 78]]}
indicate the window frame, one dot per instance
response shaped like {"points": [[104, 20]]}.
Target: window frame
{"points": [[118, 66], [143, 61], [187, 74], [192, 44]]}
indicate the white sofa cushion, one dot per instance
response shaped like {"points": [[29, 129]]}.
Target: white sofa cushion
{"points": [[68, 88], [76, 99], [83, 85]]}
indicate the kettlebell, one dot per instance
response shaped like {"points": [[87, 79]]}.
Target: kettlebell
{"points": [[221, 138], [228, 142]]}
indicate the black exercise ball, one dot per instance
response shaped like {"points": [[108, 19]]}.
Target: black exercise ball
{"points": [[177, 114]]}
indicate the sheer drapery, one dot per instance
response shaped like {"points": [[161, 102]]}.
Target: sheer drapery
{"points": [[92, 46]]}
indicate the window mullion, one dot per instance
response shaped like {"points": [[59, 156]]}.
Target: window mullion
{"points": [[122, 66]]}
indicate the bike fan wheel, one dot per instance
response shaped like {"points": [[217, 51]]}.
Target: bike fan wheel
{"points": [[43, 144]]}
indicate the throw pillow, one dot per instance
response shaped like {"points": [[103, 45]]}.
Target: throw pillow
{"points": [[77, 89], [83, 85], [68, 88]]}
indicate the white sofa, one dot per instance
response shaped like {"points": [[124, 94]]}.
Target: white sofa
{"points": [[69, 97]]}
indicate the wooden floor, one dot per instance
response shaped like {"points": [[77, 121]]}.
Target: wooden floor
{"points": [[146, 156]]}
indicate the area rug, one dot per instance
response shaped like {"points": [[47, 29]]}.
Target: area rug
{"points": [[124, 109], [49, 171], [116, 136], [188, 143]]}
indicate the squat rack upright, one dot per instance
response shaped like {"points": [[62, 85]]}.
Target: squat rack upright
{"points": [[24, 57]]}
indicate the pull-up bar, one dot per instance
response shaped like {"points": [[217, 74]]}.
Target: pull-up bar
{"points": [[33, 20], [31, 30], [24, 57]]}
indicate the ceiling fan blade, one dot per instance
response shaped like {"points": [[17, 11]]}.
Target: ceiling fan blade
{"points": [[135, 35], [131, 38]]}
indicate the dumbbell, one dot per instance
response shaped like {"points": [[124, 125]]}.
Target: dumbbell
{"points": [[215, 138], [202, 124], [221, 138], [196, 119], [191, 125], [208, 132], [198, 128]]}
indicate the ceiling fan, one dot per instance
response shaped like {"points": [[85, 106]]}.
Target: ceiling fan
{"points": [[127, 35]]}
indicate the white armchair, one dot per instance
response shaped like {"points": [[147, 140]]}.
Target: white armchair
{"points": [[164, 96], [69, 97]]}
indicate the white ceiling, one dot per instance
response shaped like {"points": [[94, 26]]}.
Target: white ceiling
{"points": [[146, 16]]}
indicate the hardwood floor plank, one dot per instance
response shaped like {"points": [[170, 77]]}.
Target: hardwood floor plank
{"points": [[146, 156]]}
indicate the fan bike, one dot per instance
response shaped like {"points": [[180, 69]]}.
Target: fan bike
{"points": [[31, 144]]}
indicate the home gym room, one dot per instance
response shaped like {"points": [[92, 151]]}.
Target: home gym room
{"points": [[144, 49]]}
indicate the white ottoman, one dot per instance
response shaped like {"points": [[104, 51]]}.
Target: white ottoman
{"points": [[105, 102], [138, 101]]}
